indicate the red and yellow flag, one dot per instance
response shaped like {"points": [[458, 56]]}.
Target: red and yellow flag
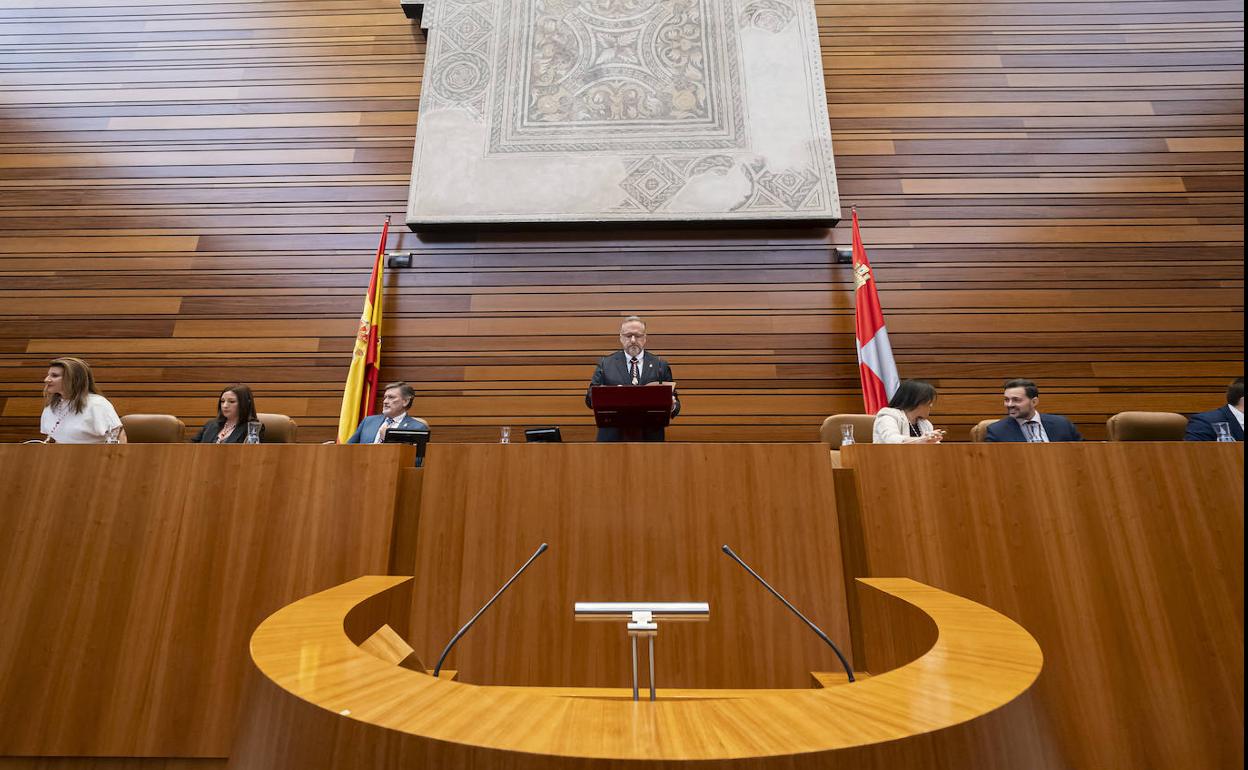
{"points": [[360, 393]]}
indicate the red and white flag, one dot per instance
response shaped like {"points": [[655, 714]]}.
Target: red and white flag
{"points": [[876, 366]]}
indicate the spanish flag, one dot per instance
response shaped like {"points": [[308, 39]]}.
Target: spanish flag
{"points": [[360, 393]]}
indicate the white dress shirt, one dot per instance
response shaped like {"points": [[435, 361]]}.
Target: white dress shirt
{"points": [[1035, 420], [1238, 415], [641, 364], [386, 424]]}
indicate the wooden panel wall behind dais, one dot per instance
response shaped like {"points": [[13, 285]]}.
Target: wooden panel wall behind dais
{"points": [[131, 578], [190, 194], [629, 522]]}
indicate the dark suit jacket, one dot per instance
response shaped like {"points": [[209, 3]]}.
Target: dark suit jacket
{"points": [[613, 370], [1056, 426], [366, 431], [1200, 426], [208, 433]]}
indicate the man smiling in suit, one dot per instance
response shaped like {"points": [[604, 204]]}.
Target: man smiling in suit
{"points": [[632, 365], [1024, 423]]}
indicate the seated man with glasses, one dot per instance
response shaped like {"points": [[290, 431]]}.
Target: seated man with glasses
{"points": [[632, 365]]}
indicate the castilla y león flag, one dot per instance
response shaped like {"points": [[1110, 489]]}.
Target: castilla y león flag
{"points": [[360, 393], [876, 366]]}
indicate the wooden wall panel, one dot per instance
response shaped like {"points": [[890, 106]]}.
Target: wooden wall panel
{"points": [[109, 763], [485, 509], [190, 195], [1125, 561], [131, 578]]}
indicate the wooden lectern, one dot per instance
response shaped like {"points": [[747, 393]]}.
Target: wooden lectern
{"points": [[632, 409]]}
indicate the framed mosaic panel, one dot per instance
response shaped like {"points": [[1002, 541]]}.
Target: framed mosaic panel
{"points": [[549, 111]]}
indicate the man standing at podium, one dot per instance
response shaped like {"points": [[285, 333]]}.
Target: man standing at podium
{"points": [[632, 365]]}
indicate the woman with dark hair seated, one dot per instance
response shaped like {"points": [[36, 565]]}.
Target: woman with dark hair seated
{"points": [[235, 408], [904, 420]]}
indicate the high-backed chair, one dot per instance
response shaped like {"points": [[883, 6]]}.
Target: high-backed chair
{"points": [[1146, 426], [864, 427], [980, 432], [278, 428], [153, 429]]}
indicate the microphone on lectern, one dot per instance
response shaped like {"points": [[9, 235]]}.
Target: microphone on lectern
{"points": [[438, 668], [848, 671]]}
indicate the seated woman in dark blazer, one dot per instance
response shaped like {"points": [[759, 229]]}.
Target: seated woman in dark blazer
{"points": [[235, 409]]}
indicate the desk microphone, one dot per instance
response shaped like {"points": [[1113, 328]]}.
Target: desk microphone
{"points": [[438, 668], [848, 671]]}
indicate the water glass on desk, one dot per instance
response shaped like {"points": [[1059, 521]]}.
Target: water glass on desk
{"points": [[113, 435], [847, 434], [1223, 431], [504, 435], [253, 432]]}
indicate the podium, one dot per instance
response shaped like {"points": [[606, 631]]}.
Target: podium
{"points": [[633, 410]]}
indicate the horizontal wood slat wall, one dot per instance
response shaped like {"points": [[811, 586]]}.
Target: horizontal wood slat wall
{"points": [[190, 195]]}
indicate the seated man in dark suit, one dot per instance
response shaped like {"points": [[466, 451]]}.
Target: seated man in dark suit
{"points": [[632, 366], [1024, 422], [1200, 426], [397, 400]]}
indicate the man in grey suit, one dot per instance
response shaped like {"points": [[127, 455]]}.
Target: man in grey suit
{"points": [[1023, 421], [397, 400], [632, 365]]}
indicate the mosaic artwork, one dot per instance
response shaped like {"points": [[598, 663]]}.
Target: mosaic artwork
{"points": [[622, 110]]}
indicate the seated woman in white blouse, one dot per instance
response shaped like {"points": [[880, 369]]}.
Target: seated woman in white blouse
{"points": [[74, 411], [904, 420]]}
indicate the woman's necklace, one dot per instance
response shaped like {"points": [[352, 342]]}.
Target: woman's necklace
{"points": [[61, 410], [226, 430]]}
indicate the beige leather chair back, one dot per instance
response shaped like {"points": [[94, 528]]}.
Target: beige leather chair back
{"points": [[864, 427], [153, 429], [980, 432], [1146, 426], [278, 428]]}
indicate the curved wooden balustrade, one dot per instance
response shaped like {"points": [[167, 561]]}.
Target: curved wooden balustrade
{"points": [[960, 660]]}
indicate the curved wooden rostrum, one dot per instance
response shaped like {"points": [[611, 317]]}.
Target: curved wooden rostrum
{"points": [[353, 708]]}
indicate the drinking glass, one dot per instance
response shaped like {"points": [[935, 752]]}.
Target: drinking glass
{"points": [[253, 432], [1223, 429], [847, 434], [113, 436], [504, 435]]}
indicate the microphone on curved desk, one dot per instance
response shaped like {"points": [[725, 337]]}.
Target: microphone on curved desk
{"points": [[438, 668], [848, 671]]}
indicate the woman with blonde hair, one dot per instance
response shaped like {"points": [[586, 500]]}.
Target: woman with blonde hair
{"points": [[74, 412]]}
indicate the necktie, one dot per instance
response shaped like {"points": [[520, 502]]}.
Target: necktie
{"points": [[385, 426], [1033, 433], [632, 370]]}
